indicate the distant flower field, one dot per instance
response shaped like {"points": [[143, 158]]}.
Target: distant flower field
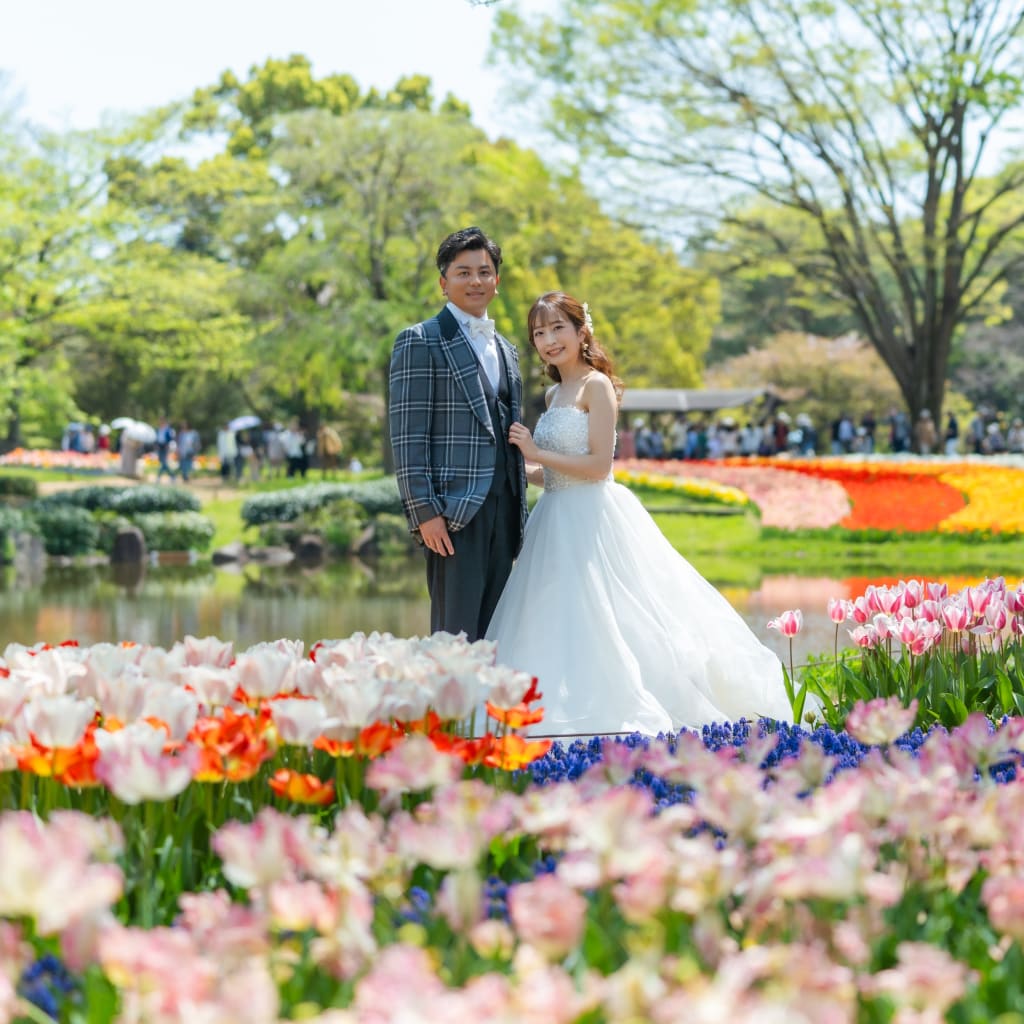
{"points": [[905, 495]]}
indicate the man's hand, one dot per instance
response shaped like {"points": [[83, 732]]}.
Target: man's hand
{"points": [[435, 535]]}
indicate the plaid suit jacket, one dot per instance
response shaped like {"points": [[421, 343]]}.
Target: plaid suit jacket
{"points": [[441, 432]]}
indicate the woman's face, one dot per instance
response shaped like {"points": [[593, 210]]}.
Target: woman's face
{"points": [[558, 340]]}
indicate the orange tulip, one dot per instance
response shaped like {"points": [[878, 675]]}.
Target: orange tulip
{"points": [[302, 789], [377, 739], [72, 766], [513, 751], [517, 717], [231, 747], [470, 752], [336, 748]]}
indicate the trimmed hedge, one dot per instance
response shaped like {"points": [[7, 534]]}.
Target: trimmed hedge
{"points": [[92, 497], [18, 487], [129, 501], [66, 529], [175, 531], [373, 496]]}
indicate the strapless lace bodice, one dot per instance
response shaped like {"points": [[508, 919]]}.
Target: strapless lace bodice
{"points": [[566, 430]]}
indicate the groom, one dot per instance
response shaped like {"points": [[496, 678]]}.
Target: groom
{"points": [[455, 391]]}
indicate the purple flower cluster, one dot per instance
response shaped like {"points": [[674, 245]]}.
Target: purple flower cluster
{"points": [[568, 762], [46, 983]]}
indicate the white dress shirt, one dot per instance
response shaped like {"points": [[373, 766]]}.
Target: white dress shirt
{"points": [[484, 344]]}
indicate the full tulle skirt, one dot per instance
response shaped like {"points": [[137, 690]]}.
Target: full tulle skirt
{"points": [[621, 631]]}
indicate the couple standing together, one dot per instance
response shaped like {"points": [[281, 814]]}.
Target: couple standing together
{"points": [[621, 631]]}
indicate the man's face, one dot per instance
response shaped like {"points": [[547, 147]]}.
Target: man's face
{"points": [[470, 281]]}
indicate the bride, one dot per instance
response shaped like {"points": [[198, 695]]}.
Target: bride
{"points": [[621, 631]]}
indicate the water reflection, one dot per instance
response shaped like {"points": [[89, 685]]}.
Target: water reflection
{"points": [[159, 605]]}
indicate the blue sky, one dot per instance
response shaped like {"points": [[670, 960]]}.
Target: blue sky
{"points": [[71, 61]]}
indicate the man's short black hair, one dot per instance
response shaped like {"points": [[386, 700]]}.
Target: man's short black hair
{"points": [[460, 241]]}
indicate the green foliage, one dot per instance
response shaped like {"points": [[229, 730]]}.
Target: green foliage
{"points": [[391, 536], [92, 497], [146, 498], [66, 529], [948, 682], [874, 136], [288, 505], [175, 531], [17, 486], [12, 521], [129, 501], [755, 256], [341, 523], [108, 523]]}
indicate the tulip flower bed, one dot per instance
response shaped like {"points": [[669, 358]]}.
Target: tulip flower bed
{"points": [[98, 462], [699, 490], [77, 462], [200, 834], [752, 873], [981, 498], [946, 653]]}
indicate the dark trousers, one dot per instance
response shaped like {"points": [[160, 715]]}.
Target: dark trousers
{"points": [[465, 587]]}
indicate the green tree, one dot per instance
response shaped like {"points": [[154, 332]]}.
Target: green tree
{"points": [[653, 314], [92, 295], [873, 119], [755, 256]]}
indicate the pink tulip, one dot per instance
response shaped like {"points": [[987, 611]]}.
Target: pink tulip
{"points": [[937, 591], [548, 914], [1003, 897], [978, 598], [927, 636], [906, 630], [912, 593], [838, 609], [134, 767], [880, 721], [996, 616], [299, 722], [413, 766], [918, 635], [266, 672], [955, 615], [925, 982], [860, 612], [209, 651], [885, 626], [864, 636], [58, 721], [883, 599], [788, 623]]}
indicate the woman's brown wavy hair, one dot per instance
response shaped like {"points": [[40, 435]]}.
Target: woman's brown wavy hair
{"points": [[554, 305]]}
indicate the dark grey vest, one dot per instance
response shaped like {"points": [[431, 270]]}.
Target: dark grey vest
{"points": [[505, 468]]}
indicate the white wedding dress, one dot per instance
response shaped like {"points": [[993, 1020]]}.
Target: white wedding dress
{"points": [[621, 631]]}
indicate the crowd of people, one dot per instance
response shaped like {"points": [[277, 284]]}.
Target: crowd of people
{"points": [[250, 453], [659, 436], [276, 450]]}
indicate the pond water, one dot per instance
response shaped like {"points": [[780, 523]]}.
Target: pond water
{"points": [[159, 605]]}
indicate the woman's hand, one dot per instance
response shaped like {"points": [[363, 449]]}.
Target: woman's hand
{"points": [[520, 436]]}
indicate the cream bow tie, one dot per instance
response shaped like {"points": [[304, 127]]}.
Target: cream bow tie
{"points": [[481, 327]]}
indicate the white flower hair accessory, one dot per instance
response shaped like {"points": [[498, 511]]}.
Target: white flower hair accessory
{"points": [[586, 317]]}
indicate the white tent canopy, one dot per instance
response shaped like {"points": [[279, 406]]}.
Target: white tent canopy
{"points": [[689, 399]]}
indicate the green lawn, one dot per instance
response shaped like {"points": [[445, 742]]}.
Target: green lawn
{"points": [[734, 549]]}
